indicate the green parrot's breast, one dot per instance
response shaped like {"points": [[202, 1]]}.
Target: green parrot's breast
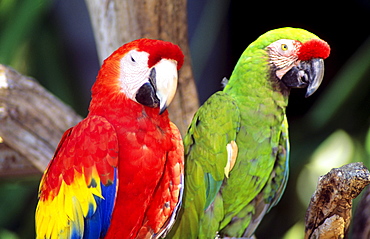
{"points": [[258, 141]]}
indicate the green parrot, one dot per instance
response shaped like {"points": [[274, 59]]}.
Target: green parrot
{"points": [[237, 146]]}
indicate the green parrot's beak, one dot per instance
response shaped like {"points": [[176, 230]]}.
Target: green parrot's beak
{"points": [[305, 74], [316, 74]]}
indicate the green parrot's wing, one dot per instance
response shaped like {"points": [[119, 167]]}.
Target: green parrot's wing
{"points": [[271, 192], [279, 178], [207, 163]]}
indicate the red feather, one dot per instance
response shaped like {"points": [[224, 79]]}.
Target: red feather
{"points": [[146, 173], [124, 141], [149, 148], [157, 50], [314, 48], [77, 154]]}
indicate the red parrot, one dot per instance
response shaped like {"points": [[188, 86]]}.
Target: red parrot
{"points": [[119, 172]]}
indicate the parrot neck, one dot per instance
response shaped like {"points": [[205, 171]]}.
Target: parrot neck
{"points": [[252, 78], [119, 110]]}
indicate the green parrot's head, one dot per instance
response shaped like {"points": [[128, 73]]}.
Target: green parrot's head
{"points": [[296, 57]]}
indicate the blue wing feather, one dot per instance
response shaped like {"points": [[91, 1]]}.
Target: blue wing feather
{"points": [[97, 223], [78, 190]]}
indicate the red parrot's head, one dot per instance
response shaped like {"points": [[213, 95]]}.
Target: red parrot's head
{"points": [[144, 70]]}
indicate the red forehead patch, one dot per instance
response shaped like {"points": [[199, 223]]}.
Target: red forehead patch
{"points": [[314, 48], [157, 50]]}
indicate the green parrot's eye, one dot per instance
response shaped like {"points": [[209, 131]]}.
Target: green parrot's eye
{"points": [[284, 47]]}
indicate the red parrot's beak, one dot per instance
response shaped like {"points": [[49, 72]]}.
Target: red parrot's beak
{"points": [[166, 78], [161, 86]]}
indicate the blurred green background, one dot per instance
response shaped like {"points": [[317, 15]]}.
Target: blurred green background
{"points": [[52, 41]]}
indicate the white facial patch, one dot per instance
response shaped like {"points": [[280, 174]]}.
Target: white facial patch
{"points": [[134, 72], [283, 55]]}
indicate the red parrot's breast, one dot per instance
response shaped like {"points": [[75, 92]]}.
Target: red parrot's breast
{"points": [[148, 167]]}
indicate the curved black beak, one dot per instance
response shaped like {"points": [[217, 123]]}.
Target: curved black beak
{"points": [[305, 74], [146, 95], [161, 86]]}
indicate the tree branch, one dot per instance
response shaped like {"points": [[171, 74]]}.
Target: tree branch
{"points": [[361, 220], [32, 122], [329, 213]]}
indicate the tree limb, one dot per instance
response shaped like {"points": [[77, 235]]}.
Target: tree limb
{"points": [[361, 220], [330, 209], [32, 122]]}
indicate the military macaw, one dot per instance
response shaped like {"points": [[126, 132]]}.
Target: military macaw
{"points": [[237, 146], [119, 172]]}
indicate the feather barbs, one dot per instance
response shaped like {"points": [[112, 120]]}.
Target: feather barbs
{"points": [[65, 213], [160, 49], [283, 53], [157, 50], [92, 136], [75, 183], [314, 48]]}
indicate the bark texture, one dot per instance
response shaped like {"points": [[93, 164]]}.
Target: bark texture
{"points": [[32, 121], [361, 219], [329, 213]]}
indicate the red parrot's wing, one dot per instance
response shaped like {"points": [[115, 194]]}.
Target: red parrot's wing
{"points": [[160, 216], [78, 189]]}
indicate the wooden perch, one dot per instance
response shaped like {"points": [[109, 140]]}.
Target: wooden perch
{"points": [[32, 122], [361, 219], [117, 22], [329, 214]]}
